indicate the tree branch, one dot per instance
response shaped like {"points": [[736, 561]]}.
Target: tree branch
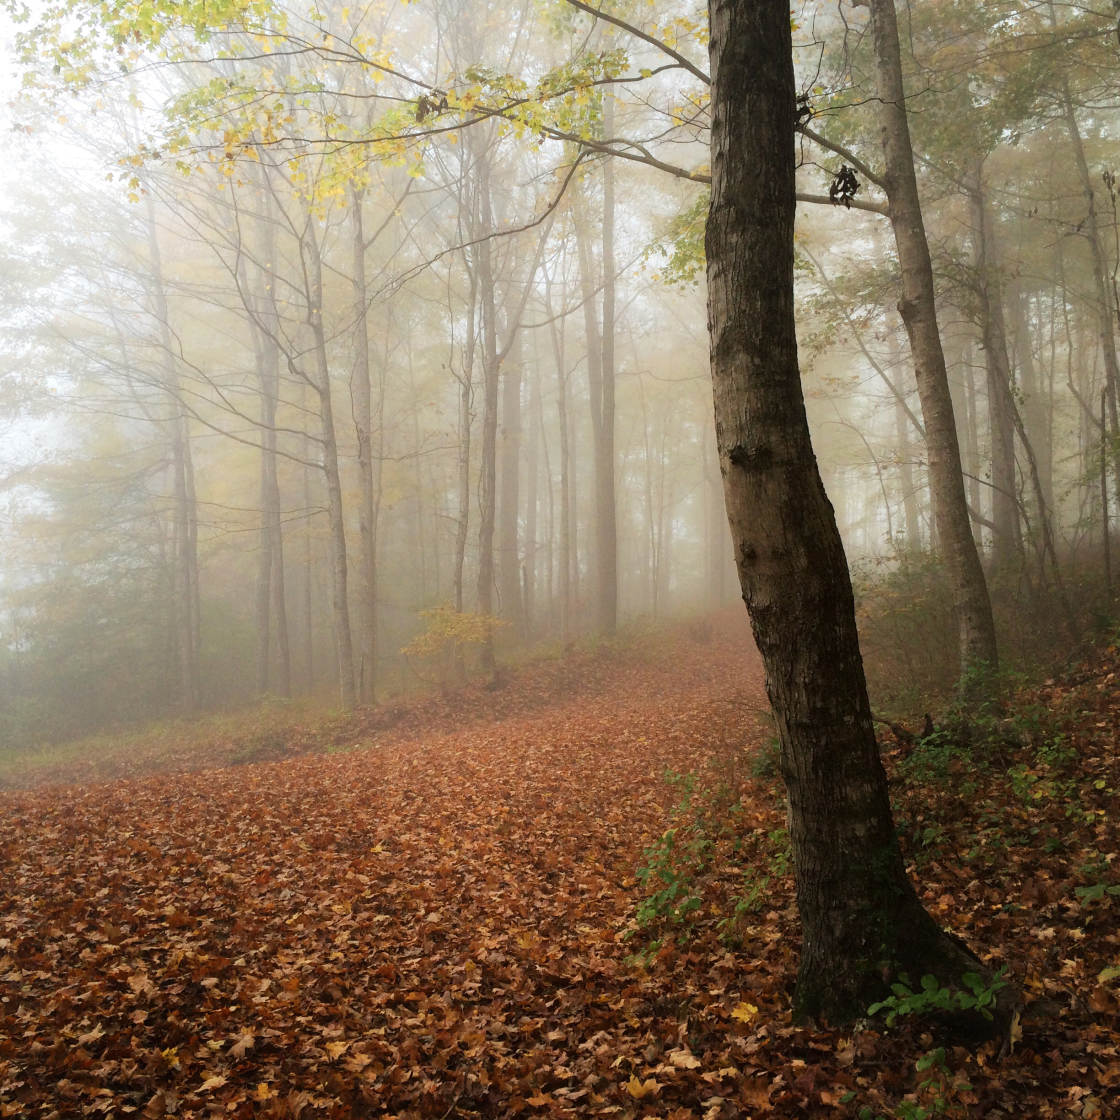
{"points": [[854, 204], [678, 58], [843, 153]]}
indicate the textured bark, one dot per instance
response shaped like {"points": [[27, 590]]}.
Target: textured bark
{"points": [[976, 628], [861, 918]]}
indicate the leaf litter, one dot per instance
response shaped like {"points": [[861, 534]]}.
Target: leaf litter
{"points": [[440, 923]]}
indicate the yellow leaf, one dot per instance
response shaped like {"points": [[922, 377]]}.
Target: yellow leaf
{"points": [[744, 1012], [638, 1089], [336, 1049]]}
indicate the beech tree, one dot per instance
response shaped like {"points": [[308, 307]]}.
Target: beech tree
{"points": [[861, 918]]}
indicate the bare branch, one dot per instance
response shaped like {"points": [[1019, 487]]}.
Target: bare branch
{"points": [[844, 154], [678, 58]]}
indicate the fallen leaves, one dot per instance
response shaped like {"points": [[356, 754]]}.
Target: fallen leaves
{"points": [[434, 927]]}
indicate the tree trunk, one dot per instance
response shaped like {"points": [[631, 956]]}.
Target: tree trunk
{"points": [[537, 450], [490, 382], [272, 610], [1038, 405], [185, 596], [1091, 230], [606, 514], [861, 918], [976, 628], [509, 560], [340, 607], [1007, 538], [599, 334], [565, 544], [369, 465]]}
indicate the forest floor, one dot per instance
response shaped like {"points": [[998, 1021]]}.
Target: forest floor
{"points": [[470, 906]]}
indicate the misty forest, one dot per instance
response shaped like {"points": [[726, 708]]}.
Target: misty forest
{"points": [[400, 400]]}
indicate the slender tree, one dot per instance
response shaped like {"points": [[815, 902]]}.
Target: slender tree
{"points": [[917, 306]]}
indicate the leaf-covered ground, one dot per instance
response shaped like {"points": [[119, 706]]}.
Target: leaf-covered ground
{"points": [[438, 920]]}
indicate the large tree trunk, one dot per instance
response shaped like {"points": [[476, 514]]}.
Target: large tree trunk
{"points": [[977, 635], [861, 918]]}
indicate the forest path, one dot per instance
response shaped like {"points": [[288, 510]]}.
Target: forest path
{"points": [[415, 926]]}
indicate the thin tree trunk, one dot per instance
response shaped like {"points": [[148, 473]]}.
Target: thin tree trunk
{"points": [[606, 515], [565, 544], [361, 395], [340, 607], [976, 627], [1037, 407], [185, 595], [537, 451], [1007, 538], [1090, 228], [509, 473], [272, 612], [903, 426], [599, 335], [490, 385]]}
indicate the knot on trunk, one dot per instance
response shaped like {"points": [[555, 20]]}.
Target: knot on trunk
{"points": [[752, 459]]}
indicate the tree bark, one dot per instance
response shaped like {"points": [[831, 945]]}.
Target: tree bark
{"points": [[976, 627], [861, 918]]}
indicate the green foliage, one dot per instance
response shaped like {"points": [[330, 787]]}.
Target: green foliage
{"points": [[674, 863], [683, 244], [934, 1094], [933, 996], [702, 863]]}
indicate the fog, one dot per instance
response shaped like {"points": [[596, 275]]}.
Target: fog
{"points": [[355, 350]]}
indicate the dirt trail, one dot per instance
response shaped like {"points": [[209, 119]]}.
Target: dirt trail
{"points": [[422, 926]]}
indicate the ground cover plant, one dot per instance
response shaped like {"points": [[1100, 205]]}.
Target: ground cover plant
{"points": [[574, 901]]}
